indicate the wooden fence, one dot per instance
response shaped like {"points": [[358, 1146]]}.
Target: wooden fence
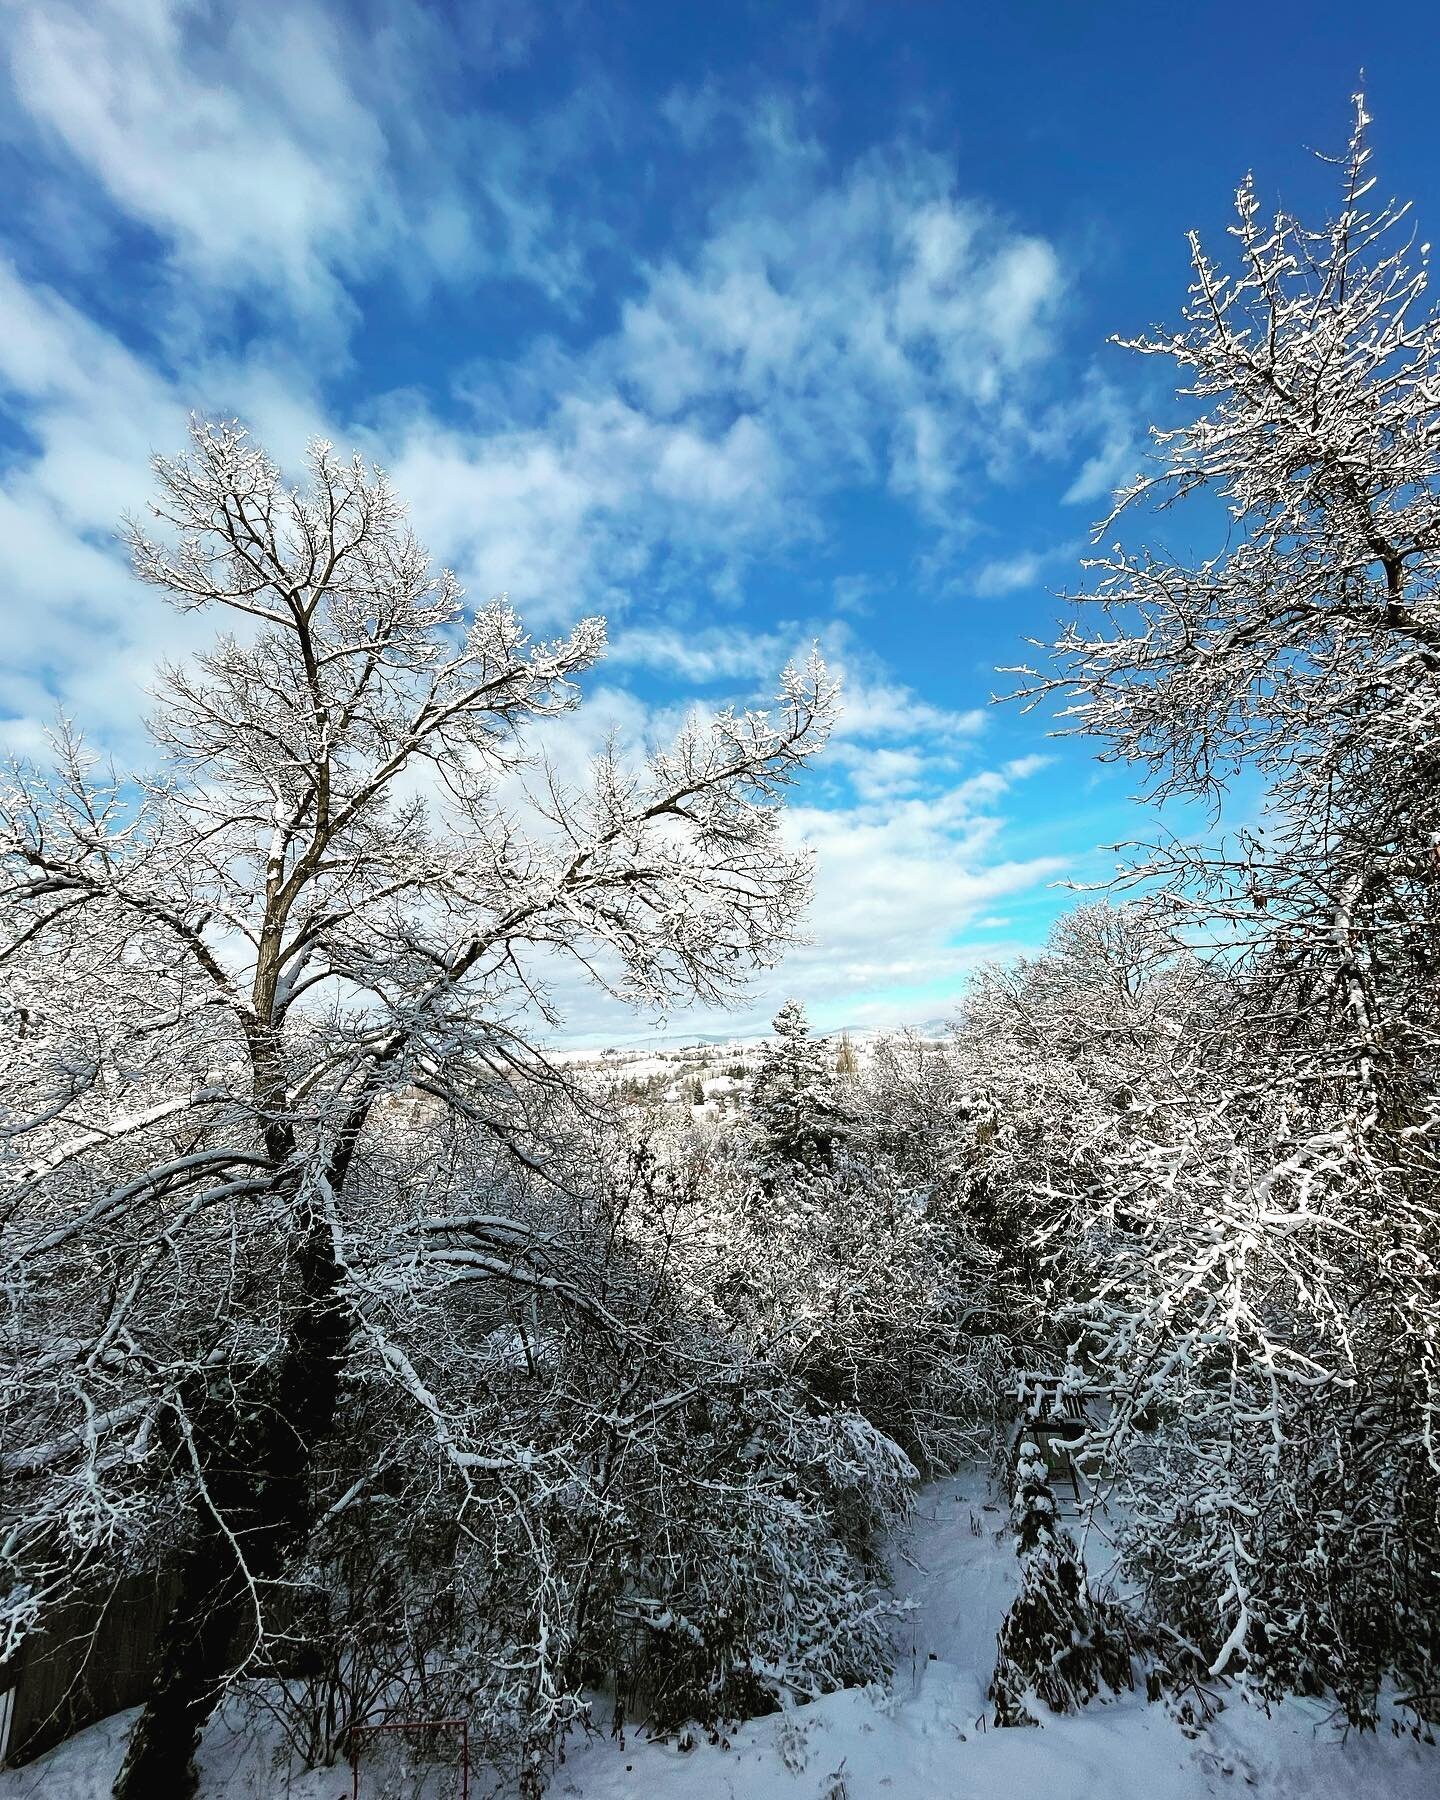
{"points": [[93, 1658]]}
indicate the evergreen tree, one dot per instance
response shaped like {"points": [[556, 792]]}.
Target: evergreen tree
{"points": [[1057, 1644], [798, 1114]]}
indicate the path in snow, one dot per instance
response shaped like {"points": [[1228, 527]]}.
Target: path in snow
{"points": [[927, 1738], [930, 1738]]}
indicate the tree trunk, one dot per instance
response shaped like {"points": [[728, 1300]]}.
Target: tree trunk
{"points": [[197, 1655], [257, 1466]]}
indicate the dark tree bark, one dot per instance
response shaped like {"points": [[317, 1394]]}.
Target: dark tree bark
{"points": [[253, 1515]]}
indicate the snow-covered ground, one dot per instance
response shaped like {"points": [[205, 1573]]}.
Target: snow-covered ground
{"points": [[929, 1736], [926, 1737]]}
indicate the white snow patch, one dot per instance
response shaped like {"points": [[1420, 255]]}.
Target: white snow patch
{"points": [[926, 1737]]}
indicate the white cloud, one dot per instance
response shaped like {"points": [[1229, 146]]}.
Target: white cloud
{"points": [[873, 704], [902, 878], [713, 653], [911, 856], [906, 872], [1026, 569], [878, 321], [1009, 574], [1117, 455], [824, 329], [881, 773], [818, 330], [250, 155], [283, 151]]}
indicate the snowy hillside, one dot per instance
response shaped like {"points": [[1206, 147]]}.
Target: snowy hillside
{"points": [[927, 1736]]}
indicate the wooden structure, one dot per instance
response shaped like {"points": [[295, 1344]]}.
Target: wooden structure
{"points": [[93, 1658], [1054, 1418]]}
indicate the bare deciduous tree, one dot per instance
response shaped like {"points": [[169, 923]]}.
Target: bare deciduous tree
{"points": [[1266, 1214], [219, 983]]}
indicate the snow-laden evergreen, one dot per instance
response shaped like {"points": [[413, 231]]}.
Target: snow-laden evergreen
{"points": [[1058, 1645]]}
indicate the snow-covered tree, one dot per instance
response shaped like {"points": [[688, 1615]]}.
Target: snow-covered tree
{"points": [[795, 1104], [1058, 1645], [225, 984], [1308, 649], [1269, 1325], [861, 1276]]}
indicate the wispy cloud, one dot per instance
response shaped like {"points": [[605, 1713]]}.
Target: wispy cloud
{"points": [[907, 867], [279, 154], [1117, 454], [901, 879], [826, 328], [1027, 569]]}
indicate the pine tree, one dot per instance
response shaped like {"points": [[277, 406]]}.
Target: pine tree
{"points": [[795, 1106]]}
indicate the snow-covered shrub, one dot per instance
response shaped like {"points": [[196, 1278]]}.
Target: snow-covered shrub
{"points": [[1218, 1262], [622, 1499], [859, 1272], [1267, 1432]]}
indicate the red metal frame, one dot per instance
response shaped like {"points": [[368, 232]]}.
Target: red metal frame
{"points": [[402, 1725]]}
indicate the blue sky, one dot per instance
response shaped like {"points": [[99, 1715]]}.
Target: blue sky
{"points": [[743, 324]]}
